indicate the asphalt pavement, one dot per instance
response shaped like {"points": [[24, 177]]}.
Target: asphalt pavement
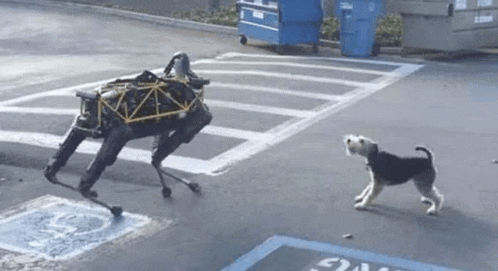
{"points": [[277, 188]]}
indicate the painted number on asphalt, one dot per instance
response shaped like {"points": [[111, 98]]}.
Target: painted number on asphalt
{"points": [[303, 255], [339, 264]]}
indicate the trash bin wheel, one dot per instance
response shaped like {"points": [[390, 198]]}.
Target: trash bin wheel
{"points": [[315, 48], [376, 49], [242, 39]]}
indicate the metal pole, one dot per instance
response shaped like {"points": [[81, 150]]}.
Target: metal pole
{"points": [[213, 5]]}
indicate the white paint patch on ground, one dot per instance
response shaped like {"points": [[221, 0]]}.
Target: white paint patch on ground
{"points": [[310, 95], [297, 77], [50, 228], [293, 65], [254, 141]]}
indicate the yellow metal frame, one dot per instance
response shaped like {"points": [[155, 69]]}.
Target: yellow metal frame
{"points": [[156, 89]]}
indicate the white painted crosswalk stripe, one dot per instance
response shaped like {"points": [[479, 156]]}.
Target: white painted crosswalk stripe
{"points": [[40, 110], [282, 132], [293, 65], [261, 108], [212, 103], [235, 133], [287, 76], [186, 164], [233, 55], [303, 94], [254, 142]]}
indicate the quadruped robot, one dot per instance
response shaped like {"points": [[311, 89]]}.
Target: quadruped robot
{"points": [[171, 108]]}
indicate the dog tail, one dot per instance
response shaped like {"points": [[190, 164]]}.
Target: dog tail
{"points": [[429, 153]]}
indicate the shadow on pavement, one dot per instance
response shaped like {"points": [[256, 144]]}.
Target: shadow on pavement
{"points": [[451, 228]]}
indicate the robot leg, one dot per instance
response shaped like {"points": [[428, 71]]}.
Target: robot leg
{"points": [[199, 119], [164, 144], [66, 149], [106, 156]]}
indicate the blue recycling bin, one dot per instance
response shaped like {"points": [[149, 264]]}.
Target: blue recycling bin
{"points": [[284, 22], [358, 20]]}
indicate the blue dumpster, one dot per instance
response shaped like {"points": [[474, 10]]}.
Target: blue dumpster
{"points": [[358, 20], [285, 22]]}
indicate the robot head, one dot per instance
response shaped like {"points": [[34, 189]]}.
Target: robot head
{"points": [[180, 62]]}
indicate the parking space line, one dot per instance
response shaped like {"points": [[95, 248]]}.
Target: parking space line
{"points": [[254, 141], [261, 109], [278, 241], [187, 164], [293, 65], [65, 91], [335, 59], [303, 94], [210, 129], [249, 148], [55, 92], [287, 76], [235, 133], [40, 110]]}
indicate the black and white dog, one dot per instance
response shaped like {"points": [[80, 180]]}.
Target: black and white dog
{"points": [[388, 169]]}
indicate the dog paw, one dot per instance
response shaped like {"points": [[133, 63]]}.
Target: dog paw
{"points": [[360, 206], [432, 211], [425, 200]]}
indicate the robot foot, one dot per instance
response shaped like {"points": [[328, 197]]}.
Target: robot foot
{"points": [[50, 175], [166, 192], [195, 187], [53, 179], [115, 210]]}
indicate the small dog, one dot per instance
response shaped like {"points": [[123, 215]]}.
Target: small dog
{"points": [[388, 169]]}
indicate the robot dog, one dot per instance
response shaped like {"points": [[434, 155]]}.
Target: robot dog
{"points": [[171, 108]]}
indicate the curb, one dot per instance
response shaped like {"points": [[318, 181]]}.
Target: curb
{"points": [[170, 21], [383, 50]]}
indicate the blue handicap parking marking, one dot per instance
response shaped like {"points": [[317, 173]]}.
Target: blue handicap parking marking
{"points": [[57, 229], [286, 253]]}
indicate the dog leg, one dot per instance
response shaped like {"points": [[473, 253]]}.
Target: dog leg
{"points": [[367, 189], [425, 200], [437, 201], [370, 196], [364, 192], [430, 194]]}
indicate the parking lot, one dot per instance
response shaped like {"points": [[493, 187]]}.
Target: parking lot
{"points": [[277, 188]]}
